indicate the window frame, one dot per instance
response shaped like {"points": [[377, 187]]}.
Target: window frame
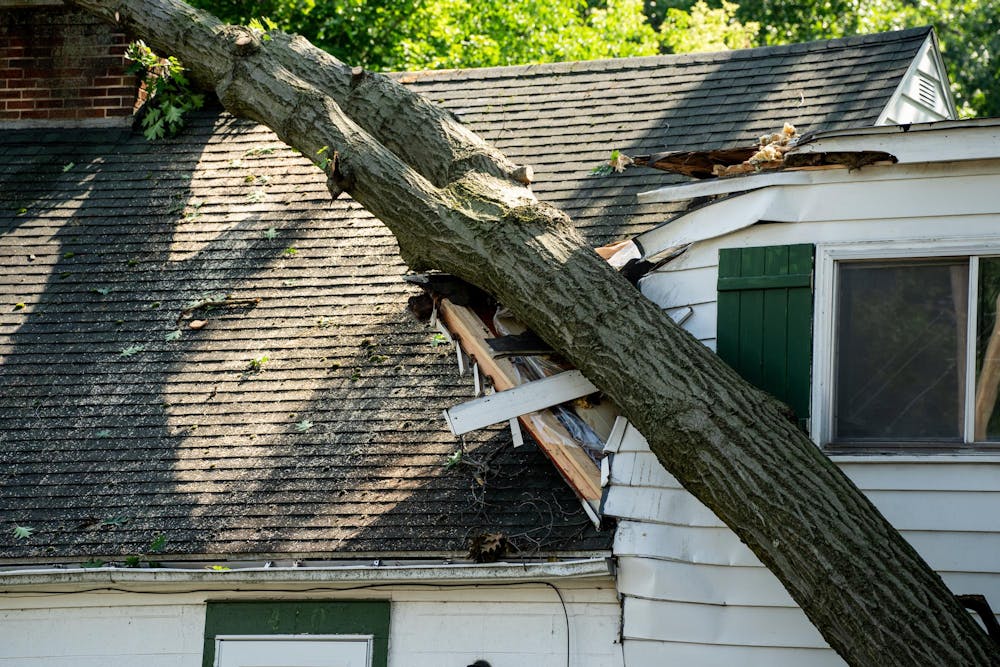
{"points": [[822, 400]]}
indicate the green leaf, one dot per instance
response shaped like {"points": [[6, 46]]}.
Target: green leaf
{"points": [[303, 426], [257, 363], [271, 233], [173, 335], [23, 532], [156, 546], [453, 460], [132, 350], [438, 339], [172, 114], [68, 166]]}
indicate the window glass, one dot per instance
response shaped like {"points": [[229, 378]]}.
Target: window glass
{"points": [[987, 412], [901, 336]]}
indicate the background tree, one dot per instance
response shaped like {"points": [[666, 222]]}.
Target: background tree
{"points": [[429, 34], [432, 34]]}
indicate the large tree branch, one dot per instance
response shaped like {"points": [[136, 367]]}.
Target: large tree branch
{"points": [[452, 203]]}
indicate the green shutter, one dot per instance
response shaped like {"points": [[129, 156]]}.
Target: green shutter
{"points": [[341, 617], [765, 319]]}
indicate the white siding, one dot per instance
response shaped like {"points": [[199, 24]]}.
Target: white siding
{"points": [[509, 626], [694, 594], [691, 588]]}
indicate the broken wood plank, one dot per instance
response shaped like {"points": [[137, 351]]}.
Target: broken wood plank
{"points": [[528, 397], [696, 164]]}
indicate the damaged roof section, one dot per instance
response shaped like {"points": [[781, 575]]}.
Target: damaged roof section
{"points": [[530, 387]]}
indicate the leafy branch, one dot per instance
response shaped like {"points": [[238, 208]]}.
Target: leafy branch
{"points": [[170, 93]]}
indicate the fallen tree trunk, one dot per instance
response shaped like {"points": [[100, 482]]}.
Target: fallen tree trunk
{"points": [[457, 205]]}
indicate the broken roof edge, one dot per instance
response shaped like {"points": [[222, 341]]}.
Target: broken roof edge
{"points": [[940, 141], [779, 197], [308, 578], [502, 71]]}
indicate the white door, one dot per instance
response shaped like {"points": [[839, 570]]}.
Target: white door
{"points": [[293, 651]]}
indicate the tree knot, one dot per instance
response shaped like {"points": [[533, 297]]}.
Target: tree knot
{"points": [[358, 76], [245, 41]]}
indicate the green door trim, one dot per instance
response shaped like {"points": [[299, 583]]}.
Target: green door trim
{"points": [[312, 617]]}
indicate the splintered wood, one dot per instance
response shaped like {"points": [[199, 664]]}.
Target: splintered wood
{"points": [[552, 437]]}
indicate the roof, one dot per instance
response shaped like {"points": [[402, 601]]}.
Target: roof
{"points": [[304, 418]]}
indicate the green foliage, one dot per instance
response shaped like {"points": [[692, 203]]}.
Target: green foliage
{"points": [[303, 426], [257, 363], [23, 532], [170, 93], [428, 34], [418, 34], [483, 33], [156, 546], [707, 29], [453, 460], [132, 350]]}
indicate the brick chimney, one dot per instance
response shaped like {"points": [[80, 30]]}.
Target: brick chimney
{"points": [[61, 66]]}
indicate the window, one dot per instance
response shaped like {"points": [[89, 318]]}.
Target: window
{"points": [[914, 353]]}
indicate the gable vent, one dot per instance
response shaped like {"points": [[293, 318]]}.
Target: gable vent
{"points": [[927, 91]]}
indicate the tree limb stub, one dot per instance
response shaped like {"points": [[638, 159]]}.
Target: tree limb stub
{"points": [[452, 205]]}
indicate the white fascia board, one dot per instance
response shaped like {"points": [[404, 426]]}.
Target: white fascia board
{"points": [[873, 192], [937, 142], [521, 400], [724, 186], [180, 580], [929, 143], [716, 219]]}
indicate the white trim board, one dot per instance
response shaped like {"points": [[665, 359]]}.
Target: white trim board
{"points": [[876, 193], [520, 400]]}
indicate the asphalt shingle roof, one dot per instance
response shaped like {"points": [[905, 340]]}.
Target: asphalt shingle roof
{"points": [[118, 422]]}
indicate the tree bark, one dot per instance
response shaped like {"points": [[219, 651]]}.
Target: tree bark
{"points": [[455, 204]]}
